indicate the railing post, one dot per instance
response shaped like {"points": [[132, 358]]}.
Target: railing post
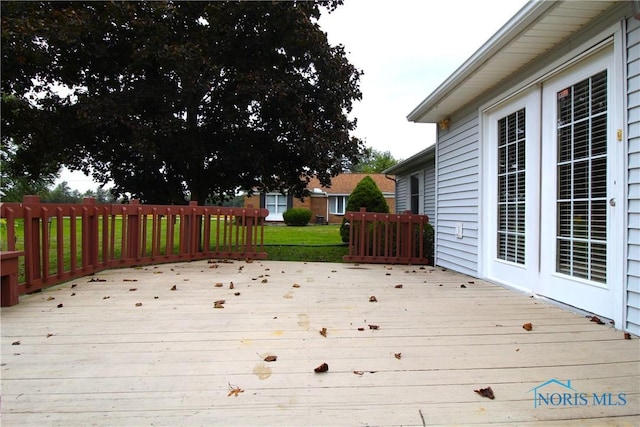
{"points": [[133, 230], [248, 218], [31, 205], [89, 233]]}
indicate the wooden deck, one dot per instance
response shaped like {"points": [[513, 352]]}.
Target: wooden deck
{"points": [[102, 359]]}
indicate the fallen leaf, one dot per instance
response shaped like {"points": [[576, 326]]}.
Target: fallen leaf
{"points": [[95, 279], [234, 391], [323, 332], [15, 343], [398, 355], [49, 335], [156, 297], [73, 294], [219, 304], [248, 260], [107, 297], [360, 373], [388, 274], [597, 320], [527, 326], [463, 286], [374, 327], [361, 329], [398, 286], [73, 286], [372, 298], [138, 304], [471, 282], [295, 285], [231, 285], [133, 289], [130, 280], [50, 299], [264, 280], [271, 358], [174, 288], [322, 368], [60, 305], [486, 392], [218, 285], [237, 294], [627, 336]]}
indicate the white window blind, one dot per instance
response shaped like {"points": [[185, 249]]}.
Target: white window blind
{"points": [[581, 235], [511, 187]]}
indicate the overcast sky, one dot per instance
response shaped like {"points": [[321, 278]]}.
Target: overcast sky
{"points": [[406, 49]]}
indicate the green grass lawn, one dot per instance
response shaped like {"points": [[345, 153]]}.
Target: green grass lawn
{"points": [[311, 243]]}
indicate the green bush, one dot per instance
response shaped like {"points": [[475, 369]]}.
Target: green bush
{"points": [[365, 195], [297, 216]]}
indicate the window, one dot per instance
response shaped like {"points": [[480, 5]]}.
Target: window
{"points": [[511, 187], [276, 203], [581, 235], [337, 204], [415, 194]]}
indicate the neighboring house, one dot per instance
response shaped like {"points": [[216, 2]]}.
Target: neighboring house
{"points": [[327, 204], [537, 159]]}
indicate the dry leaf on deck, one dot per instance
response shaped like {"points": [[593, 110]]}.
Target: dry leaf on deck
{"points": [[107, 297], [596, 319], [463, 286], [486, 392], [219, 304], [374, 327], [271, 358], [323, 332], [49, 335], [138, 304], [50, 299], [219, 285], [133, 289], [527, 326], [361, 329], [398, 355], [322, 368], [231, 285], [295, 285], [60, 305], [73, 286], [398, 286], [95, 279], [174, 288], [627, 336], [129, 280], [359, 373], [264, 280], [373, 298], [15, 343], [234, 391]]}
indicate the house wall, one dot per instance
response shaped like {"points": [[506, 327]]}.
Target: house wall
{"points": [[458, 195], [430, 193], [633, 174], [402, 193]]}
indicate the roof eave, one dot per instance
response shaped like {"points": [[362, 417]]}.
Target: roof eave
{"points": [[530, 12]]}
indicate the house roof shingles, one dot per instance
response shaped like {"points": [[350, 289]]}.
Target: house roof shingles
{"points": [[345, 183]]}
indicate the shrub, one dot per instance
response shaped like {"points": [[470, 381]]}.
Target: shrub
{"points": [[297, 216], [365, 195]]}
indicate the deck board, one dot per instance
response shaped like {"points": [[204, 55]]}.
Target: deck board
{"points": [[171, 360]]}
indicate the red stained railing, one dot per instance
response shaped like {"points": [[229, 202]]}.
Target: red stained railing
{"points": [[387, 238], [58, 242]]}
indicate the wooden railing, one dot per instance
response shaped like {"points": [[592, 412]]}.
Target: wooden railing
{"points": [[57, 242], [387, 238]]}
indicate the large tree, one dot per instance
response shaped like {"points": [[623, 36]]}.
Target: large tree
{"points": [[179, 100]]}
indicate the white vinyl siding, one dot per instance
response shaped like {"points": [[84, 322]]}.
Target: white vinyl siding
{"points": [[457, 196], [430, 193], [402, 193], [633, 190]]}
